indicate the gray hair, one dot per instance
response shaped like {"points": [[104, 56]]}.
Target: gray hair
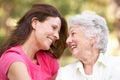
{"points": [[92, 24]]}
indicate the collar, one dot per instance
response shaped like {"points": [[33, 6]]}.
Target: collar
{"points": [[100, 61]]}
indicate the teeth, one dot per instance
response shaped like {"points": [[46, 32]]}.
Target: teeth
{"points": [[73, 47], [50, 40]]}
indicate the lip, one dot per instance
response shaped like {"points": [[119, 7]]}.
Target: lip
{"points": [[72, 46], [50, 40]]}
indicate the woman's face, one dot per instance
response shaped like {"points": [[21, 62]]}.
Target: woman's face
{"points": [[78, 42], [47, 32]]}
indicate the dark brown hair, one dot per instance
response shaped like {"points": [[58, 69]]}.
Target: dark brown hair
{"points": [[24, 28]]}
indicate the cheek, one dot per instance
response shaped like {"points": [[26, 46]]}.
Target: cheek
{"points": [[85, 49], [83, 45], [80, 42], [39, 35]]}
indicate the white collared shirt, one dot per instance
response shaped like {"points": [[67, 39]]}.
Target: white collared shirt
{"points": [[104, 69]]}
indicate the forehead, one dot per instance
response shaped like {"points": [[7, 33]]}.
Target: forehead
{"points": [[54, 20], [74, 28]]}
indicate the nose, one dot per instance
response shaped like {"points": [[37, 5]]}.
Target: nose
{"points": [[69, 40], [56, 35]]}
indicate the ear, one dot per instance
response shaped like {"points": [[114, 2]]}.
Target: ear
{"points": [[94, 39], [34, 22]]}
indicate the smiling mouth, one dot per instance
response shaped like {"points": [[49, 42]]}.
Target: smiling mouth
{"points": [[73, 47], [50, 40]]}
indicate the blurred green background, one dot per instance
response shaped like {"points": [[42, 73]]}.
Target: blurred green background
{"points": [[12, 10]]}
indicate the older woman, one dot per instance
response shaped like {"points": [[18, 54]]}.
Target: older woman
{"points": [[87, 40]]}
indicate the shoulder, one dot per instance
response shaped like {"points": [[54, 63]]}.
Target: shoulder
{"points": [[11, 55], [8, 58], [113, 67], [112, 64], [67, 72], [13, 50], [68, 68], [112, 60]]}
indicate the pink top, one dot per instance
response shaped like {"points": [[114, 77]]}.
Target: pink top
{"points": [[47, 65]]}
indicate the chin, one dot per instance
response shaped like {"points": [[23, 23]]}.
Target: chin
{"points": [[75, 54], [46, 48]]}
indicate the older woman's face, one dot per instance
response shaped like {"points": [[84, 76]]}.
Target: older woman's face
{"points": [[78, 42]]}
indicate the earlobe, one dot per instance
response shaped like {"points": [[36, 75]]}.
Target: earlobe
{"points": [[92, 42], [94, 39]]}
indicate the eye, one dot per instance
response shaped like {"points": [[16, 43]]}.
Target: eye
{"points": [[73, 33], [54, 27]]}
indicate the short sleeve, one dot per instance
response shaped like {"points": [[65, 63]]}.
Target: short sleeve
{"points": [[9, 58], [55, 67]]}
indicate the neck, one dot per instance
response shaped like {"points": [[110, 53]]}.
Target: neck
{"points": [[30, 49], [89, 62], [88, 69]]}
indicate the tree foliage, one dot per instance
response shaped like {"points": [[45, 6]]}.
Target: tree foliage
{"points": [[14, 9]]}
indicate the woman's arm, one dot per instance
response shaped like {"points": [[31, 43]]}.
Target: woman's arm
{"points": [[18, 71]]}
